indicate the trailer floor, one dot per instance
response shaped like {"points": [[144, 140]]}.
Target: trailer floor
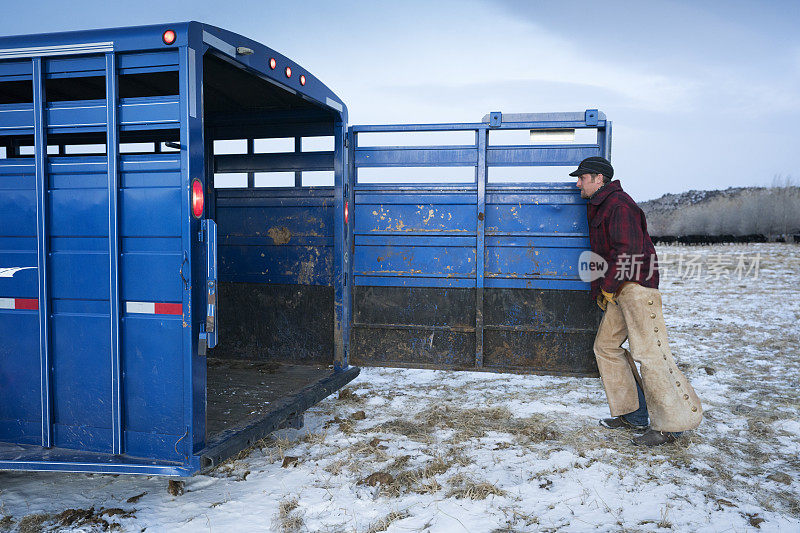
{"points": [[240, 389]]}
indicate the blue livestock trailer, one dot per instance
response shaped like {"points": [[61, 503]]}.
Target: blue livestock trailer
{"points": [[194, 247]]}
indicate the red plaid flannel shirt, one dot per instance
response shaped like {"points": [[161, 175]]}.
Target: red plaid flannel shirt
{"points": [[618, 233]]}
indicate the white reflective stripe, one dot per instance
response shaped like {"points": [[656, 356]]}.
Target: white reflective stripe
{"points": [[192, 85], [7, 303], [333, 103], [60, 50], [141, 307], [10, 271], [219, 44]]}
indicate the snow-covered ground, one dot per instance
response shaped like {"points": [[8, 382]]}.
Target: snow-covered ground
{"points": [[420, 450]]}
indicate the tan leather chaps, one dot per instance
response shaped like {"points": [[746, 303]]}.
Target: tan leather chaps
{"points": [[637, 315]]}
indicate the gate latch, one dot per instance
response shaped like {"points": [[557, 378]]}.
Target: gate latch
{"points": [[208, 337]]}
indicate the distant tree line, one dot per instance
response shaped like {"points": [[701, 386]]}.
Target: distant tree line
{"points": [[769, 211]]}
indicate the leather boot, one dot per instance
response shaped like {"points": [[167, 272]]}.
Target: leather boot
{"points": [[620, 422]]}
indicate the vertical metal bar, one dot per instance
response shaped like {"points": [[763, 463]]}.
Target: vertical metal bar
{"points": [[193, 380], [480, 245], [349, 242], [607, 143], [112, 151], [298, 148], [340, 254], [40, 150], [251, 176], [186, 73]]}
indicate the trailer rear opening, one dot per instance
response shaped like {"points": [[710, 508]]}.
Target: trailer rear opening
{"points": [[275, 239]]}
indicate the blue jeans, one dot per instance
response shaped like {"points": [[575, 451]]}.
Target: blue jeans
{"points": [[640, 417]]}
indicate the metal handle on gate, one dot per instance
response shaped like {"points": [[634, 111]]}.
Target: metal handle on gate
{"points": [[211, 315], [185, 281], [210, 333]]}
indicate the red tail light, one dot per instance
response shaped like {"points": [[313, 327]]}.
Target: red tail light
{"points": [[197, 198], [272, 63], [302, 80], [346, 210], [288, 72], [168, 37]]}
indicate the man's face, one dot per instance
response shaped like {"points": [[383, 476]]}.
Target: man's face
{"points": [[588, 184]]}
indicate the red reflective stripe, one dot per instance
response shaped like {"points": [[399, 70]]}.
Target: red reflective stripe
{"points": [[168, 309], [26, 303]]}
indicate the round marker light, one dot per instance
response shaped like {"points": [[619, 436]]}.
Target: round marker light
{"points": [[272, 63], [197, 198], [168, 37], [302, 80], [288, 72]]}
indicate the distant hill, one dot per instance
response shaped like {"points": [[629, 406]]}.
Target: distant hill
{"points": [[735, 211]]}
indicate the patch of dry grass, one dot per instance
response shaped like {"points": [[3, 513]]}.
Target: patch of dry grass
{"points": [[336, 467], [420, 480], [349, 396], [289, 519], [234, 469], [412, 429], [382, 524], [471, 423], [517, 518], [33, 523], [462, 486]]}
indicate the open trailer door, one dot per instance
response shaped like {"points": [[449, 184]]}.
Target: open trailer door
{"points": [[466, 244]]}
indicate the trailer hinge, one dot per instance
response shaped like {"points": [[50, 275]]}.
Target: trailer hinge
{"points": [[346, 142]]}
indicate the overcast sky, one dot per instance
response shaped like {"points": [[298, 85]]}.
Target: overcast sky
{"points": [[703, 95]]}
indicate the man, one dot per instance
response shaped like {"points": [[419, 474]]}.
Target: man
{"points": [[628, 294]]}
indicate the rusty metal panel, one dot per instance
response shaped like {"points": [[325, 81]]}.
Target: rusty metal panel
{"points": [[541, 330], [526, 330], [286, 323]]}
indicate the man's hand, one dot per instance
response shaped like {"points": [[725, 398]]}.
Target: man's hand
{"points": [[601, 302], [608, 297]]}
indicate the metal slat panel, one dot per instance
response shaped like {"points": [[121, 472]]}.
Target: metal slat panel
{"points": [[90, 115], [57, 50], [433, 156], [16, 119], [540, 155], [15, 70], [279, 162]]}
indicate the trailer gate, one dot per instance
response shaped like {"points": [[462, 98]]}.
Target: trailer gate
{"points": [[479, 275]]}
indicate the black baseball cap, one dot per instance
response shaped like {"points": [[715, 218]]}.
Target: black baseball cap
{"points": [[594, 165]]}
